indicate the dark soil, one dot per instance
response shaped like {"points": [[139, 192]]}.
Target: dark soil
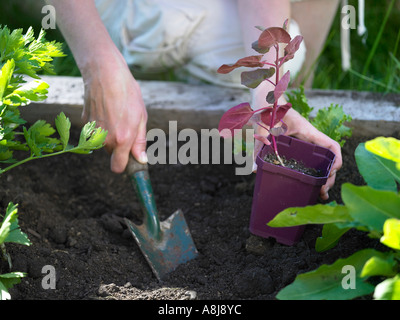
{"points": [[72, 208], [292, 164]]}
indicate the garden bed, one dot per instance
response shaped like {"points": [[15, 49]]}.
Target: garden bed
{"points": [[72, 208]]}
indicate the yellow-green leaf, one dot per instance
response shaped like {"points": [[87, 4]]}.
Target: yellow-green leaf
{"points": [[5, 76], [380, 266], [391, 233], [385, 147], [388, 289]]}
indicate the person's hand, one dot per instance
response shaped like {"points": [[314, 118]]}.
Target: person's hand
{"points": [[113, 99], [302, 129]]}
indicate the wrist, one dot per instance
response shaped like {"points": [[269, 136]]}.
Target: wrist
{"points": [[298, 126]]}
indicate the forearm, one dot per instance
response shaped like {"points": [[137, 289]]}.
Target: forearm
{"points": [[84, 31], [112, 96]]}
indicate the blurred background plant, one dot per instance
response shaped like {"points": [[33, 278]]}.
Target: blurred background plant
{"points": [[375, 62]]}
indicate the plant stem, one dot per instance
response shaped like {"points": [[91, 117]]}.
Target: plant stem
{"points": [[270, 82], [5, 255], [275, 107], [34, 158], [262, 126], [268, 64]]}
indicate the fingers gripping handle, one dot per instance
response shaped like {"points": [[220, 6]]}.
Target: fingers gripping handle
{"points": [[139, 176], [135, 166]]}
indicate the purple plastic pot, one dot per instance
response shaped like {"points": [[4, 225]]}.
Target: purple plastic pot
{"points": [[277, 188]]}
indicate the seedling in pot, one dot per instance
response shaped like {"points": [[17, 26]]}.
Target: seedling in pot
{"points": [[270, 117]]}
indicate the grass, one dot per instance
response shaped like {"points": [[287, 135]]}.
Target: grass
{"points": [[375, 63]]}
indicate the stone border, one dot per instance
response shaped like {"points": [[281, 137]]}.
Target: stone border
{"points": [[201, 106]]}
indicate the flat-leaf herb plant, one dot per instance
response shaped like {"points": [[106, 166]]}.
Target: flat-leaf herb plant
{"points": [[267, 117], [10, 231], [22, 58], [330, 120], [373, 208]]}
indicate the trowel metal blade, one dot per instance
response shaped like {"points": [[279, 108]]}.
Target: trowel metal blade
{"points": [[174, 247]]}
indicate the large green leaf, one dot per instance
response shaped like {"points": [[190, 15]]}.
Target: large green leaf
{"points": [[316, 214], [369, 206], [376, 172], [326, 282]]}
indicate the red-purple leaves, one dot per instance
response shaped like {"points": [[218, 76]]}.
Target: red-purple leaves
{"points": [[251, 62], [280, 113], [279, 130], [270, 37], [234, 118], [270, 97], [257, 48], [291, 48], [270, 116], [252, 79], [282, 85]]}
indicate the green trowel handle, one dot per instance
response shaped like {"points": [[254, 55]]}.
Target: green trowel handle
{"points": [[140, 179]]}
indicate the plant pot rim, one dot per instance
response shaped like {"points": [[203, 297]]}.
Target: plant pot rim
{"points": [[277, 169]]}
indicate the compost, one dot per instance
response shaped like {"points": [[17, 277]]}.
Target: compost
{"points": [[73, 208]]}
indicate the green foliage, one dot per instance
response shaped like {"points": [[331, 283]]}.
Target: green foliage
{"points": [[375, 209], [299, 102], [22, 56], [308, 285], [7, 281], [10, 232], [9, 229], [329, 120], [31, 55], [378, 172]]}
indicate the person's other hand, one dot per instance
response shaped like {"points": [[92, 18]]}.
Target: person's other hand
{"points": [[302, 129], [114, 100]]}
